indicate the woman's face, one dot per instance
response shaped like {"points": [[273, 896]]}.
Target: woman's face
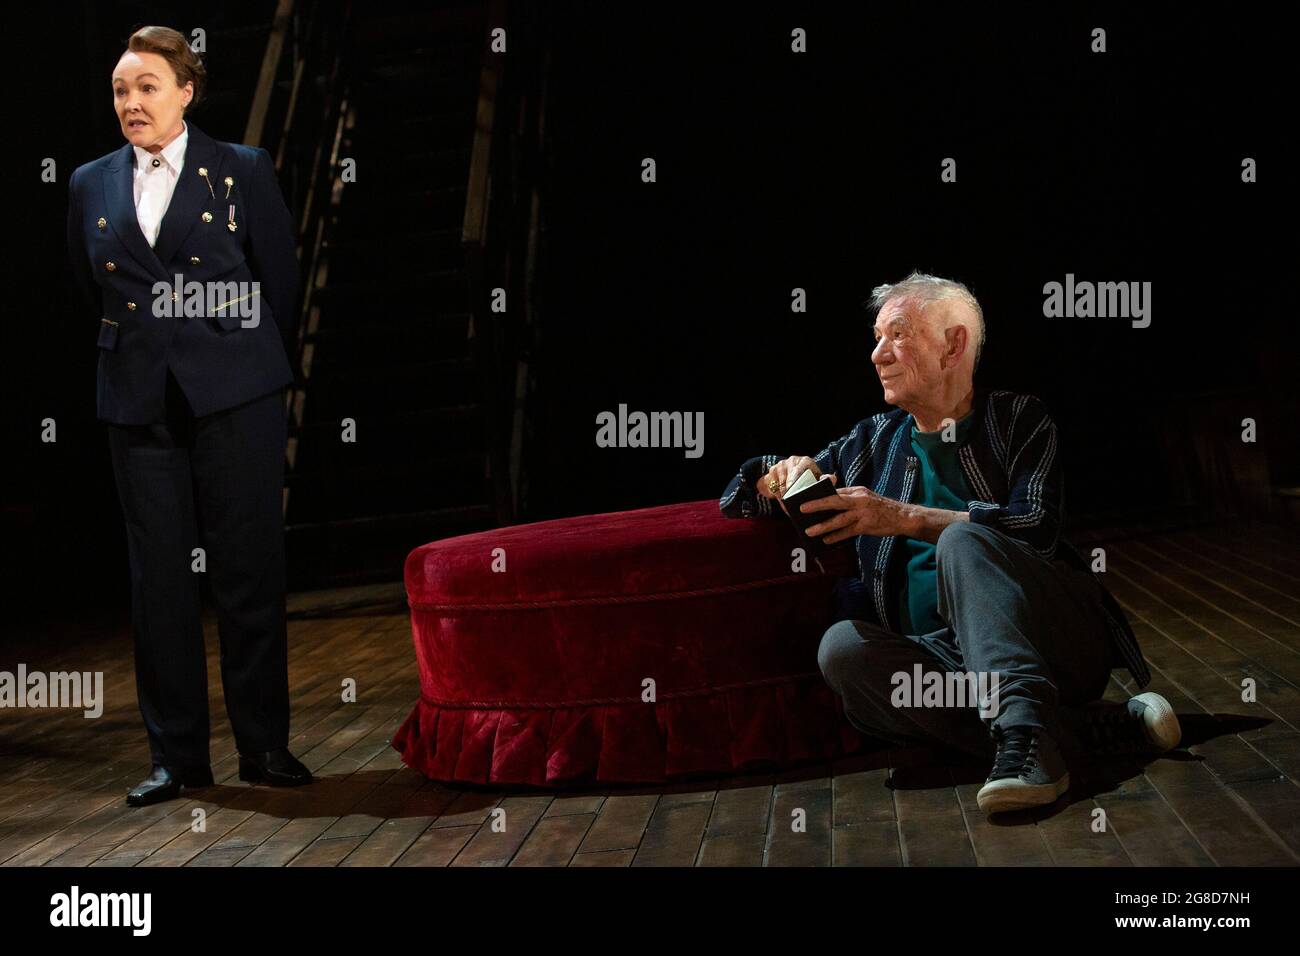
{"points": [[148, 102]]}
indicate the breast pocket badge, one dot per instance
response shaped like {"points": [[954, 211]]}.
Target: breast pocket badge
{"points": [[229, 182], [231, 223]]}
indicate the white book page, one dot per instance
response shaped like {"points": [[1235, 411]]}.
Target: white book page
{"points": [[805, 479]]}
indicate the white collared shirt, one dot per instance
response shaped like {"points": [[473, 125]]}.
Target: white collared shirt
{"points": [[154, 185]]}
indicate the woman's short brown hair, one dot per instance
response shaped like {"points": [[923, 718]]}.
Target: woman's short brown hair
{"points": [[172, 47]]}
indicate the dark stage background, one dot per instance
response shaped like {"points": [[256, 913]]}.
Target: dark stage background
{"points": [[776, 171]]}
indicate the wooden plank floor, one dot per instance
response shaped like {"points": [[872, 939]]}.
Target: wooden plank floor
{"points": [[1213, 607]]}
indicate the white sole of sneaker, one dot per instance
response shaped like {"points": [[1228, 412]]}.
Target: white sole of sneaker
{"points": [[1160, 721], [1000, 796]]}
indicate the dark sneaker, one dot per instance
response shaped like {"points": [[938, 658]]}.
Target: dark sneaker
{"points": [[1145, 724], [1028, 771]]}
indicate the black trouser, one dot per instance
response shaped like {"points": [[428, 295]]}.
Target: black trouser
{"points": [[1038, 624], [214, 482]]}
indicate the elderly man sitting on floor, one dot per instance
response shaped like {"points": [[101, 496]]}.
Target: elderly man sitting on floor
{"points": [[954, 502]]}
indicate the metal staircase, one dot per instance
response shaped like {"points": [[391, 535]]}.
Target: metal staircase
{"points": [[401, 422]]}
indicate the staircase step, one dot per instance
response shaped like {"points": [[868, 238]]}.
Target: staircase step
{"points": [[344, 322], [444, 127], [334, 394], [359, 491], [441, 516], [416, 163], [383, 200], [446, 96], [367, 550], [412, 438], [391, 373], [393, 278], [356, 257], [373, 342], [429, 282], [423, 65], [381, 35], [425, 238], [399, 428], [424, 460], [351, 487], [370, 213], [401, 302]]}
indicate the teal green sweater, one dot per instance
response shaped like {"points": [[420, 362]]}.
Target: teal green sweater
{"points": [[940, 484]]}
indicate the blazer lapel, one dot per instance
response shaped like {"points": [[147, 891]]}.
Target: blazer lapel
{"points": [[190, 198], [119, 188]]}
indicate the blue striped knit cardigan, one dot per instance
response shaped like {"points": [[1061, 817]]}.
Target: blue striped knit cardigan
{"points": [[1011, 464]]}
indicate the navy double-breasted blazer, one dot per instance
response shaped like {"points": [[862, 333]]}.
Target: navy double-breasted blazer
{"points": [[218, 361]]}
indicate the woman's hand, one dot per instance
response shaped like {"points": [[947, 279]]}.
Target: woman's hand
{"points": [[854, 511], [783, 474]]}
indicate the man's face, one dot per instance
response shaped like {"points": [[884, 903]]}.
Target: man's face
{"points": [[146, 98], [908, 353]]}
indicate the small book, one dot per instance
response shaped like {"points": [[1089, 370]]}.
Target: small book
{"points": [[808, 488]]}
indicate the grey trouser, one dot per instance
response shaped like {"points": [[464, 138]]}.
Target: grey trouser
{"points": [[1038, 624]]}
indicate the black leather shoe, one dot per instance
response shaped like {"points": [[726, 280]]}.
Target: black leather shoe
{"points": [[165, 784], [278, 767]]}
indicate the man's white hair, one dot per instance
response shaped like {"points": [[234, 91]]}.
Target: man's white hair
{"points": [[923, 289]]}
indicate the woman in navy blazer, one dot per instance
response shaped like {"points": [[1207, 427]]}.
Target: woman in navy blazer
{"points": [[185, 251]]}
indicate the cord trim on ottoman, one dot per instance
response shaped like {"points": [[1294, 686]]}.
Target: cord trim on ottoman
{"points": [[612, 599], [604, 701]]}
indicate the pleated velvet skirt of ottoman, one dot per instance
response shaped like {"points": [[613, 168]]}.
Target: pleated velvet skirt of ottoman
{"points": [[636, 646]]}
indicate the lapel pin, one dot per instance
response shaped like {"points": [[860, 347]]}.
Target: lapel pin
{"points": [[102, 222], [203, 171], [229, 181], [231, 225]]}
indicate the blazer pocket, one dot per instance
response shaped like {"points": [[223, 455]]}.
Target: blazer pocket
{"points": [[230, 317], [108, 334]]}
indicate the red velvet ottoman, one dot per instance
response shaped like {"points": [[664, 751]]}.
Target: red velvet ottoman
{"points": [[535, 672]]}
